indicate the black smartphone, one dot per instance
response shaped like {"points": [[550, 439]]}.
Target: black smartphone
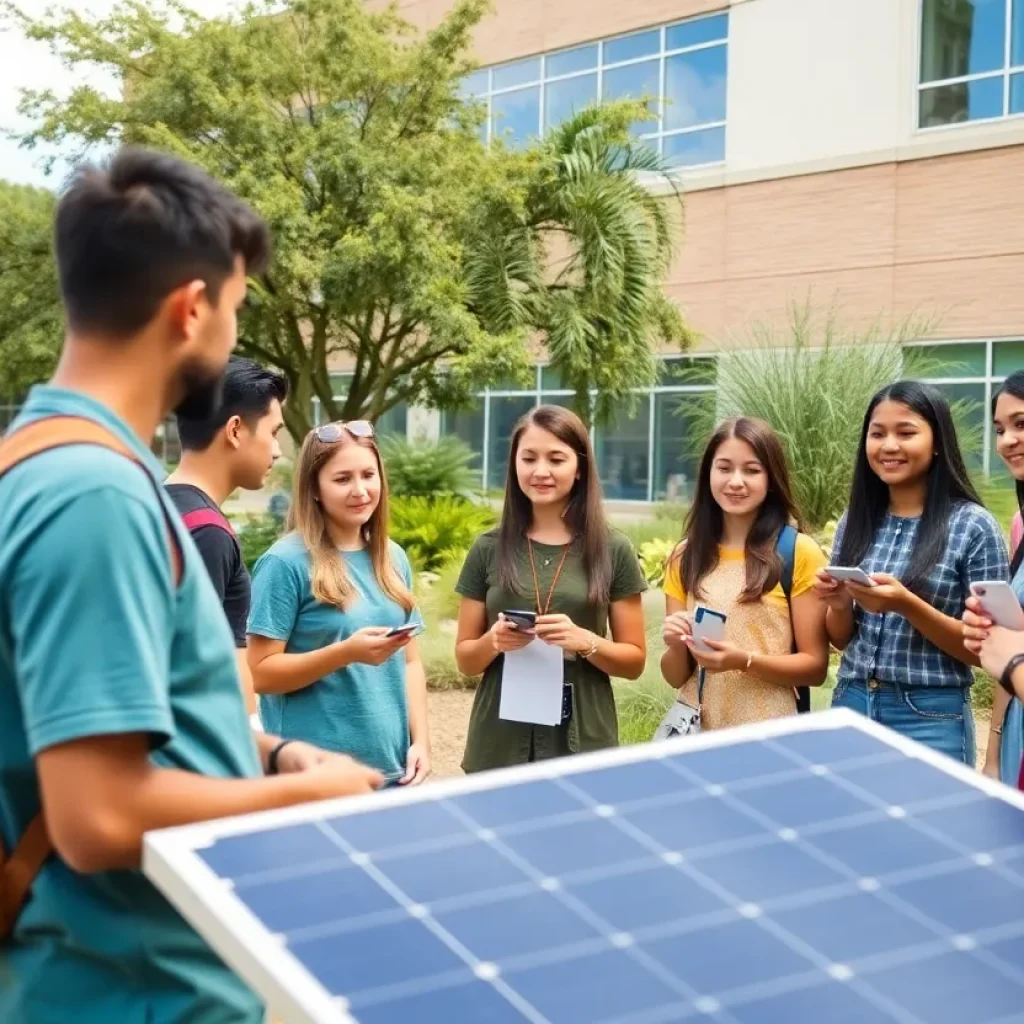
{"points": [[526, 621]]}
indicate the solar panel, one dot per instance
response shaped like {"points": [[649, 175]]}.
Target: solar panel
{"points": [[807, 869]]}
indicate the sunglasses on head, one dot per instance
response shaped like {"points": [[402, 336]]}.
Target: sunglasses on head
{"points": [[328, 433]]}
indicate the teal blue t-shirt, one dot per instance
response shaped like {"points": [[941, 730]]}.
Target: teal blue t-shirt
{"points": [[94, 640], [362, 710]]}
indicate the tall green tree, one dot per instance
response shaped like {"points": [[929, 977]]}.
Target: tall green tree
{"points": [[30, 322], [429, 265]]}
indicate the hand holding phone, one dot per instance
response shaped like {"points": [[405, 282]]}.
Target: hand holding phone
{"points": [[409, 629], [707, 624], [522, 620], [507, 636], [849, 574], [1000, 603]]}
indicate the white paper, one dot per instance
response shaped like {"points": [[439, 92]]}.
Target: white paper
{"points": [[531, 684]]}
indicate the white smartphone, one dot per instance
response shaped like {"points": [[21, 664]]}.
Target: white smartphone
{"points": [[707, 625], [1000, 603], [849, 574]]}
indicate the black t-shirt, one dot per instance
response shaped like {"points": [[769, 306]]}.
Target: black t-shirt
{"points": [[222, 556]]}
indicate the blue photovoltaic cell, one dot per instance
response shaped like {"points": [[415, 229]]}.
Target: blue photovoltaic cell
{"points": [[819, 876]]}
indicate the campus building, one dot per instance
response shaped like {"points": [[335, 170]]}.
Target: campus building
{"points": [[863, 154]]}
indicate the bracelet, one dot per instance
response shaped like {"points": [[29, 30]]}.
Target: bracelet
{"points": [[750, 661], [996, 729], [591, 650], [272, 759], [1006, 680]]}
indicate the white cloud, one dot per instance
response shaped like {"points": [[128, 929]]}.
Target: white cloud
{"points": [[28, 65]]}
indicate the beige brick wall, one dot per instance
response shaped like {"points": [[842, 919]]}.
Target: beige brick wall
{"points": [[518, 28], [938, 237]]}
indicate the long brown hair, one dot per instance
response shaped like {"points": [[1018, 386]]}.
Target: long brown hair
{"points": [[584, 515], [329, 579], [702, 531]]}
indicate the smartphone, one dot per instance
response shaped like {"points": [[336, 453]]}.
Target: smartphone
{"points": [[707, 625], [1000, 603], [526, 621], [409, 629], [846, 574]]}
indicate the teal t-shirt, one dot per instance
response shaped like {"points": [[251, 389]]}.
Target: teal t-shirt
{"points": [[94, 640], [361, 710]]}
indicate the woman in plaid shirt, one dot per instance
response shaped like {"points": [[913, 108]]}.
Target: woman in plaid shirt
{"points": [[916, 525]]}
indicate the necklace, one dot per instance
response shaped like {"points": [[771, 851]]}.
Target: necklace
{"points": [[554, 583]]}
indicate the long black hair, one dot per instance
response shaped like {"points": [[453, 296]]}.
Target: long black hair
{"points": [[1013, 385], [702, 531], [584, 515], [948, 484]]}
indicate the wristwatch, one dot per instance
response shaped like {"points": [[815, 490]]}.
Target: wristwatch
{"points": [[1006, 679]]}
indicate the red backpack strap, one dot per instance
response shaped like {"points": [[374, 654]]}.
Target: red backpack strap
{"points": [[18, 871], [200, 517]]}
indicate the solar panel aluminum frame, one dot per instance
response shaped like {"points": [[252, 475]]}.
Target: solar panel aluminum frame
{"points": [[292, 994]]}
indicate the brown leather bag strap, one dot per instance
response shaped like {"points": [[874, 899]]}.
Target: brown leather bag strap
{"points": [[19, 870]]}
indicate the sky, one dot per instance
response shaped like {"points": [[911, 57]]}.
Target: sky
{"points": [[24, 64]]}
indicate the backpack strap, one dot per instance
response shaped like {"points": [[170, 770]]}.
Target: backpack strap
{"points": [[200, 517], [786, 549], [20, 868]]}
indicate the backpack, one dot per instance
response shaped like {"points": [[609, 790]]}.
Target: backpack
{"points": [[786, 550], [32, 850], [200, 517]]}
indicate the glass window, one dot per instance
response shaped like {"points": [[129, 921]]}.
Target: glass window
{"points": [[695, 88], [693, 148], [475, 84], [1007, 358], [1017, 35], [640, 44], [1017, 94], [468, 426], [552, 379], [675, 460], [696, 32], [508, 76], [633, 66], [690, 372], [505, 414], [567, 62], [634, 82], [394, 421], [515, 116], [568, 96], [965, 101], [937, 361], [967, 37], [623, 459], [340, 383]]}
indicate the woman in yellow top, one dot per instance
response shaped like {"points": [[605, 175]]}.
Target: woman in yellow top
{"points": [[728, 561]]}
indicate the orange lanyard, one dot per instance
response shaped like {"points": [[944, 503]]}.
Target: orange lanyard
{"points": [[554, 582]]}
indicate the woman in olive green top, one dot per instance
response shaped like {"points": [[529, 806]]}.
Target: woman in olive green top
{"points": [[553, 553]]}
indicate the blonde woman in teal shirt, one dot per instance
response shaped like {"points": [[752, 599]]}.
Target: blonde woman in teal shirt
{"points": [[325, 600]]}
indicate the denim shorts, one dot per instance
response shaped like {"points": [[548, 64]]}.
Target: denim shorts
{"points": [[937, 717]]}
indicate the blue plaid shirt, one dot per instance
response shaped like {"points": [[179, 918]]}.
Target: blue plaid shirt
{"points": [[885, 646]]}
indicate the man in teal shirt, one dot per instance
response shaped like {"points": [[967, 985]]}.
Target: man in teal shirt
{"points": [[120, 702]]}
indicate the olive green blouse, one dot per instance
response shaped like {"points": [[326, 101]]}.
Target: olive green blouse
{"points": [[495, 743]]}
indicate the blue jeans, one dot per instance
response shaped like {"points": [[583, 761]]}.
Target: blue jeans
{"points": [[940, 718]]}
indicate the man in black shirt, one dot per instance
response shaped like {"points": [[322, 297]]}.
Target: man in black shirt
{"points": [[235, 447]]}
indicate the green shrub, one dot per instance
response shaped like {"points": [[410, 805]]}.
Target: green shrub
{"points": [[643, 531], [654, 557], [427, 468], [256, 534], [437, 590], [435, 532], [813, 385]]}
